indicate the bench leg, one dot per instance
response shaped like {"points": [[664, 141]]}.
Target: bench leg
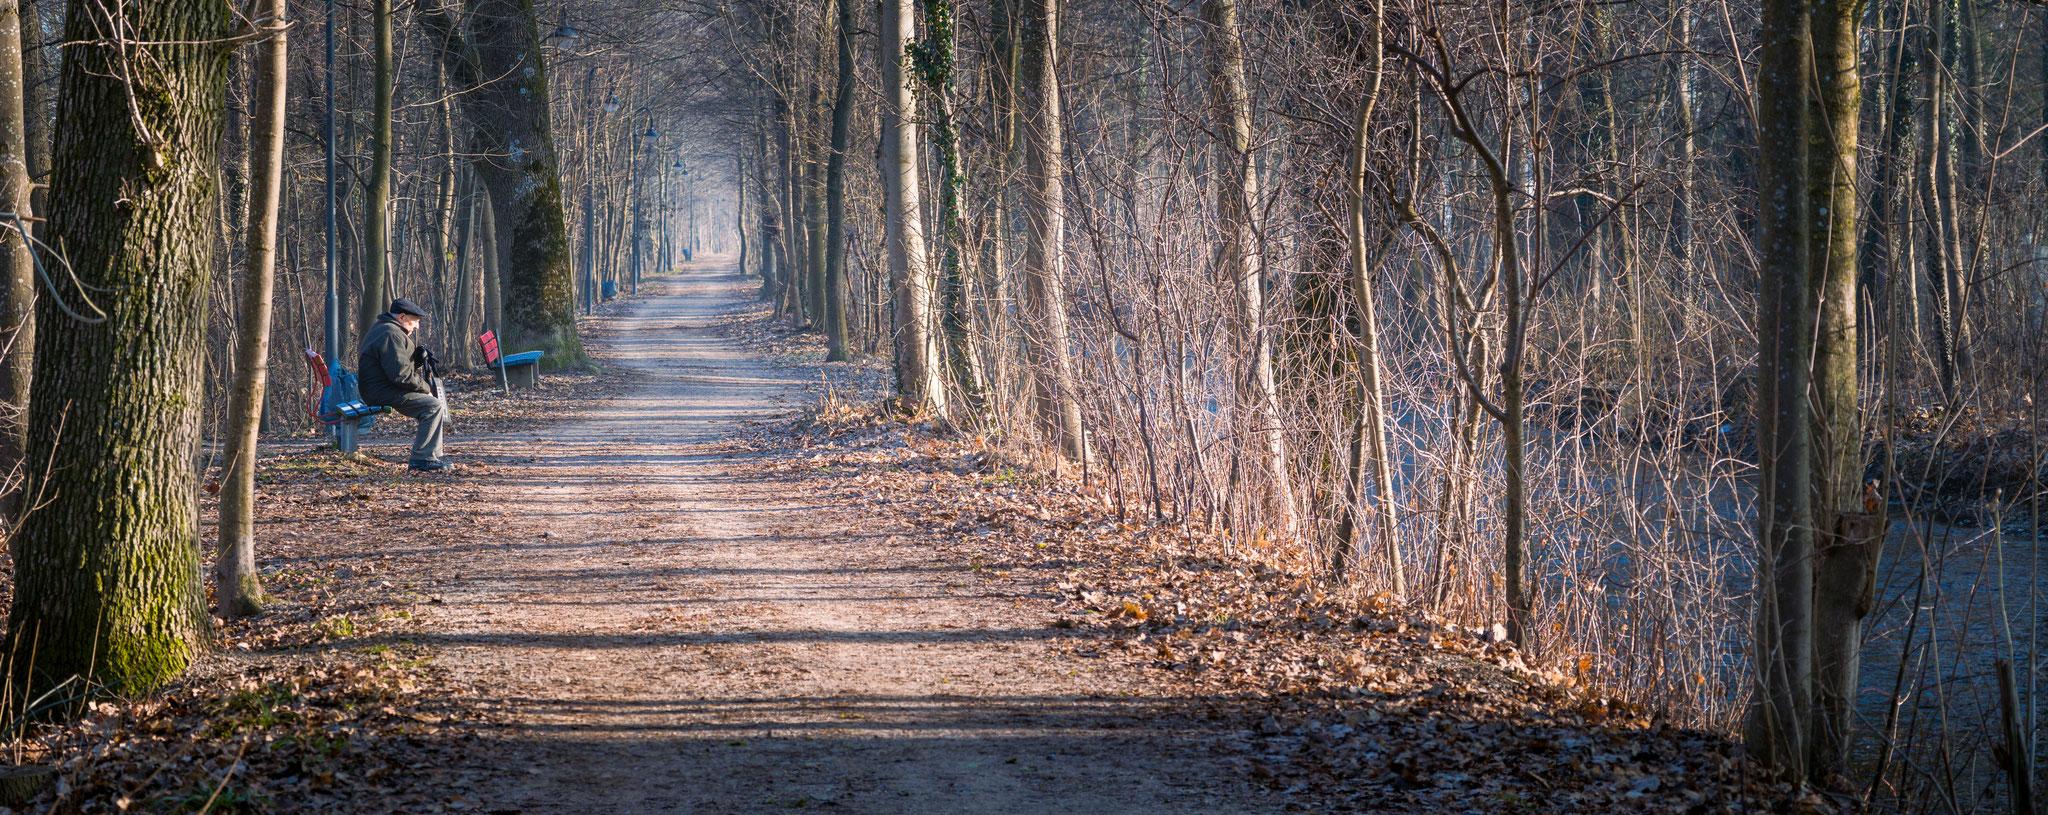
{"points": [[524, 376], [345, 435]]}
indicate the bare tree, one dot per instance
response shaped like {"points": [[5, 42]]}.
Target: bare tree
{"points": [[834, 287], [17, 310], [237, 591], [1783, 645], [1045, 294], [1239, 258], [910, 278]]}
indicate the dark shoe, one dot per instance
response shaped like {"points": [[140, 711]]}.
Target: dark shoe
{"points": [[430, 466]]}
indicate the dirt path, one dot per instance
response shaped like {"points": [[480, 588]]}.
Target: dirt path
{"points": [[667, 634]]}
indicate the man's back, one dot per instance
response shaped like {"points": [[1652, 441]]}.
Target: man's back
{"points": [[387, 373]]}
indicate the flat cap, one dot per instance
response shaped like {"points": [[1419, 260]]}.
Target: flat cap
{"points": [[405, 306]]}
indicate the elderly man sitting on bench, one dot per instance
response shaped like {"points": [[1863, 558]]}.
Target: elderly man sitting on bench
{"points": [[390, 378]]}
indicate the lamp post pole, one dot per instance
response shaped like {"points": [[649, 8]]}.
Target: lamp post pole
{"points": [[683, 177], [661, 228], [345, 431], [633, 232]]}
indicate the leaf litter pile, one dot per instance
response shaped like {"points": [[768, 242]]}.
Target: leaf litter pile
{"points": [[1343, 702]]}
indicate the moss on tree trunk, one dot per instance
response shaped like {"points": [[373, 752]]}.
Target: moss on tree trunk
{"points": [[520, 169], [107, 565]]}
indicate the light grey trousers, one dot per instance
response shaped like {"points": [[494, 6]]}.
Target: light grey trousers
{"points": [[432, 415]]}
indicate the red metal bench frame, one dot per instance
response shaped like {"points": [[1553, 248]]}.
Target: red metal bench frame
{"points": [[488, 343], [349, 412]]}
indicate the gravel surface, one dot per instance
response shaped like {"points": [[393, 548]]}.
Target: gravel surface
{"points": [[665, 628]]}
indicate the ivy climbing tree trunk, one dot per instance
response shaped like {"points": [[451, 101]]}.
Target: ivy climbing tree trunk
{"points": [[935, 59], [107, 584], [518, 167], [835, 192], [236, 590]]}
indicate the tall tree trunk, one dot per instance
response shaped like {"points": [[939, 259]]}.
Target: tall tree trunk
{"points": [[443, 224], [1950, 75], [1005, 64], [377, 204], [739, 184], [1846, 540], [1783, 646], [1937, 190], [1369, 437], [910, 283], [771, 221], [39, 98], [1045, 295], [816, 249], [789, 191], [17, 310], [107, 582], [1686, 208], [502, 69], [1882, 231], [1241, 263], [835, 193], [236, 590]]}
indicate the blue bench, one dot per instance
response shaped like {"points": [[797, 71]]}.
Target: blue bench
{"points": [[523, 367], [349, 412]]}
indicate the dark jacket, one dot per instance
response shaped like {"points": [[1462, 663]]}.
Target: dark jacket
{"points": [[387, 373]]}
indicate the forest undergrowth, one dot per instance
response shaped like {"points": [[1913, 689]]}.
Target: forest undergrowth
{"points": [[1347, 701]]}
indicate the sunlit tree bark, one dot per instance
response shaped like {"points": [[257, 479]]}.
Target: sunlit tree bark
{"points": [[107, 583], [1045, 296], [236, 590], [835, 192], [1240, 260], [519, 168], [910, 276], [377, 201], [18, 289]]}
